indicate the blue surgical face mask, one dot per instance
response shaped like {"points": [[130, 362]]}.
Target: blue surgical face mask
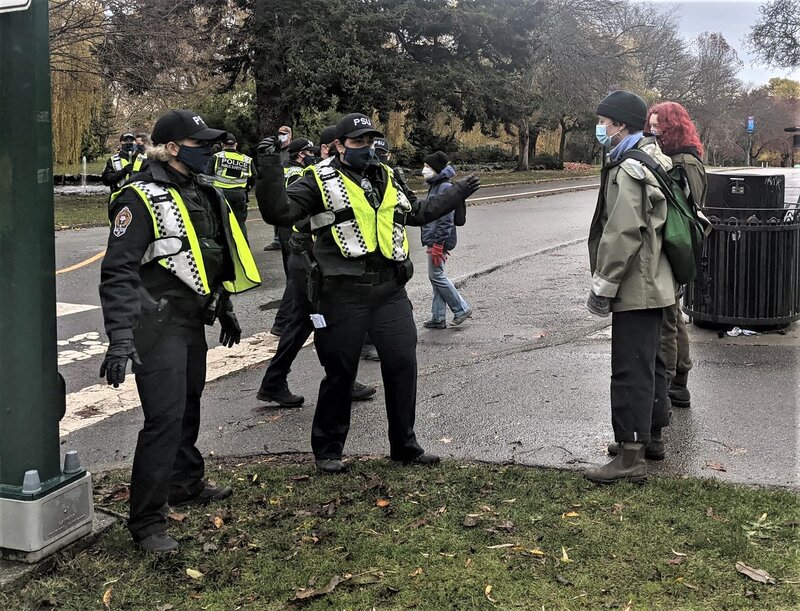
{"points": [[359, 158], [195, 158], [602, 136]]}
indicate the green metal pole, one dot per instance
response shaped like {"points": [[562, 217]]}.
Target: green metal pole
{"points": [[31, 397]]}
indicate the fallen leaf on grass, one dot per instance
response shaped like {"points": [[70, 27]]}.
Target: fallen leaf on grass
{"points": [[217, 521], [563, 580], [507, 526], [418, 523], [678, 553], [471, 520], [758, 575], [467, 563], [209, 547], [304, 594], [569, 514], [177, 517], [564, 557], [676, 561], [300, 478], [166, 607], [617, 508], [194, 573], [686, 583], [366, 578], [536, 552], [415, 572], [716, 466], [509, 501], [487, 591], [383, 502], [502, 545], [107, 598]]}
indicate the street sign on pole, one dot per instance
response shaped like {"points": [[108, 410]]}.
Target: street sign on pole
{"points": [[14, 5], [751, 125]]}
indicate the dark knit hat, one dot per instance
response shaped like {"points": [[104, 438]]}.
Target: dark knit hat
{"points": [[437, 161], [327, 135], [624, 107]]}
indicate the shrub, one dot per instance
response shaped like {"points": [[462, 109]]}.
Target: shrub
{"points": [[546, 162]]}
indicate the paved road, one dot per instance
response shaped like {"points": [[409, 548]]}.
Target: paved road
{"points": [[525, 380]]}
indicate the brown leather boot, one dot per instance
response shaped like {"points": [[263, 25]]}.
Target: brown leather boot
{"points": [[627, 465]]}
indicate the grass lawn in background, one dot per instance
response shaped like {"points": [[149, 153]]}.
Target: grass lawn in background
{"points": [[92, 167], [90, 210], [458, 536]]}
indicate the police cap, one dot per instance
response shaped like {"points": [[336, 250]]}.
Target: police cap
{"points": [[229, 139], [178, 124], [354, 125], [327, 135], [300, 144], [382, 144], [127, 136]]}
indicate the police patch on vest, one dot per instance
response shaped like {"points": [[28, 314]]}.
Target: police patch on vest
{"points": [[122, 220]]}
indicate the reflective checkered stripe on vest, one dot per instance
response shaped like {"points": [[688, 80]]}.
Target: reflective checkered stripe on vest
{"points": [[118, 162], [290, 171], [176, 247], [232, 170], [357, 228]]}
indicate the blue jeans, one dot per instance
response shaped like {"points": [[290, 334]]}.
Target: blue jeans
{"points": [[445, 293]]}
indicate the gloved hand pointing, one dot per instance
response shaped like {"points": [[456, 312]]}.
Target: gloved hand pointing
{"points": [[438, 255], [468, 185], [599, 306], [116, 360]]}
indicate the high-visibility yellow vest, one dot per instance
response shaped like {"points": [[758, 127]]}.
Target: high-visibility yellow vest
{"points": [[290, 171], [232, 170], [358, 228], [118, 162], [177, 248]]}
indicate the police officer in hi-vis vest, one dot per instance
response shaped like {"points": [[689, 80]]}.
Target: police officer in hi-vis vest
{"points": [[127, 160], [235, 173], [175, 253], [358, 217]]}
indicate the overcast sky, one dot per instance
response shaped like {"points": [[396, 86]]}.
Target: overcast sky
{"points": [[733, 19]]}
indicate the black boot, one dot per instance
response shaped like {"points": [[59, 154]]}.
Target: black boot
{"points": [[282, 397], [627, 465], [679, 395], [362, 392]]}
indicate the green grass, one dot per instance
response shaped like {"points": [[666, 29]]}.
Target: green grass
{"points": [[80, 210], [438, 538]]}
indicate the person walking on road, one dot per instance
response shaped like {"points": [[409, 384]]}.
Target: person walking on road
{"points": [[677, 135], [632, 278], [175, 253], [358, 217], [274, 385], [439, 239]]}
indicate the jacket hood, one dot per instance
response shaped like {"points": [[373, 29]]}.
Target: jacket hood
{"points": [[649, 145], [446, 174]]}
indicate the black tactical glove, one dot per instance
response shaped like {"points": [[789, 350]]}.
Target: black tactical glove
{"points": [[116, 360], [231, 331], [468, 185], [267, 147], [599, 306]]}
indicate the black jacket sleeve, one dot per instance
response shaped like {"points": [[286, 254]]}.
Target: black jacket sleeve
{"points": [[423, 211], [281, 206], [111, 177], [131, 233]]}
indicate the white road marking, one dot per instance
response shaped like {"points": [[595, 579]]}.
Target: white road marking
{"points": [[99, 401], [65, 309], [87, 345]]}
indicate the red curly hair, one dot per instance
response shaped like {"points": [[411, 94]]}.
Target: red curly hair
{"points": [[675, 128]]}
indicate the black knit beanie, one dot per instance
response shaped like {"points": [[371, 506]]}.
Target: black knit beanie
{"points": [[624, 107], [437, 161]]}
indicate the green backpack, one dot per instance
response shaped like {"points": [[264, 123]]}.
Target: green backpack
{"points": [[685, 230]]}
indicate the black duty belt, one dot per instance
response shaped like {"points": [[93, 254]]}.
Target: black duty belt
{"points": [[379, 276]]}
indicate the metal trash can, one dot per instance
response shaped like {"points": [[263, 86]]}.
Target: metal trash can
{"points": [[750, 273]]}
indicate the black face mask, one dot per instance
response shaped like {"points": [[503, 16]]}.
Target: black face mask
{"points": [[127, 148], [309, 160], [383, 158], [195, 158], [359, 159]]}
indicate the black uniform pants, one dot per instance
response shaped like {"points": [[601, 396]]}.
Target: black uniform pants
{"points": [[639, 402], [350, 310], [237, 198], [296, 330], [167, 465], [288, 301]]}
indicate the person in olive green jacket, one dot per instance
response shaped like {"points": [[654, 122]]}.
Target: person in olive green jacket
{"points": [[632, 278], [671, 125]]}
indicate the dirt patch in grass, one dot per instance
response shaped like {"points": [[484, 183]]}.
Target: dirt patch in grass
{"points": [[458, 536]]}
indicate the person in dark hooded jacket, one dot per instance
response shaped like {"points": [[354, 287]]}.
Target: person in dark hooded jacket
{"points": [[439, 238]]}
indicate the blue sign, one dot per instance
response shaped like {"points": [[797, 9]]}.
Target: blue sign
{"points": [[751, 125]]}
